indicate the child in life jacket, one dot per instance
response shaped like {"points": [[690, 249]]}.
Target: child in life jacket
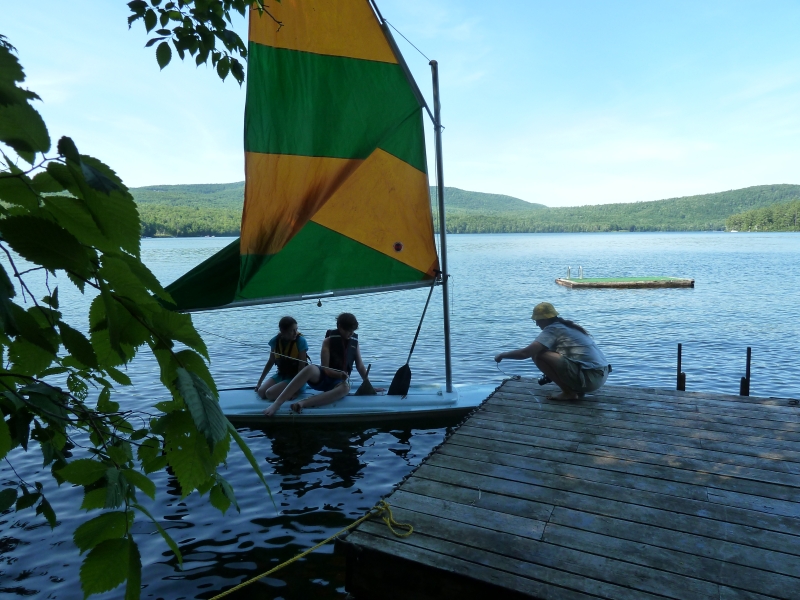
{"points": [[289, 351], [340, 352]]}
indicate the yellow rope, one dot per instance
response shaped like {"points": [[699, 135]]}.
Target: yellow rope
{"points": [[381, 509]]}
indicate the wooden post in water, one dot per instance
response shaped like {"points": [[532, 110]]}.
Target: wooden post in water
{"points": [[744, 384], [448, 369], [681, 387]]}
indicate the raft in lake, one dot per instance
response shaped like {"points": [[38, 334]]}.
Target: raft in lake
{"points": [[626, 282]]}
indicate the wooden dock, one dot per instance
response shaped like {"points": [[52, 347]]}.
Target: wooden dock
{"points": [[627, 494]]}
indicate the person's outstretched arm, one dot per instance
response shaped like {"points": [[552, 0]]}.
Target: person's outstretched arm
{"points": [[362, 370], [267, 367], [531, 351]]}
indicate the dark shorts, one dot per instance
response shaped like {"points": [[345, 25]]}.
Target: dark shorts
{"points": [[325, 383], [579, 378]]}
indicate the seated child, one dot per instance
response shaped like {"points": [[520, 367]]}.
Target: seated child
{"points": [[339, 352], [288, 343]]}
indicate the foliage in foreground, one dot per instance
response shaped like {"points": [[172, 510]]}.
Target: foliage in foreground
{"points": [[67, 219], [778, 217]]}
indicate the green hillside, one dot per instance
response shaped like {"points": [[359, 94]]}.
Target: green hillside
{"points": [[478, 202], [777, 217], [706, 212], [215, 209]]}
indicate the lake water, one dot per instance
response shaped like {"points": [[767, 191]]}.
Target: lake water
{"points": [[746, 294]]}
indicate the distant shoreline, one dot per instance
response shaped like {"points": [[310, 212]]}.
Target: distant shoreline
{"points": [[200, 210]]}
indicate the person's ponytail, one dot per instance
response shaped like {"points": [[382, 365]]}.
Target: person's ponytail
{"points": [[572, 324]]}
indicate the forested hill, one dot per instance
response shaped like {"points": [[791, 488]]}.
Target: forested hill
{"points": [[775, 217], [706, 212], [215, 209]]}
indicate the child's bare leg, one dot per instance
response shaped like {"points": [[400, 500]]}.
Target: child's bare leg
{"points": [[308, 373], [268, 383], [275, 390], [547, 361], [340, 391]]}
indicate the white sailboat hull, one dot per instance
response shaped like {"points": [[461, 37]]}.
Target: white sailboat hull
{"points": [[423, 403]]}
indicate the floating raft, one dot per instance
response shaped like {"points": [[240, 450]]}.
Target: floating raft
{"points": [[628, 494], [626, 282]]}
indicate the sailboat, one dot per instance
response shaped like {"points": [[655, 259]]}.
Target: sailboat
{"points": [[337, 198]]}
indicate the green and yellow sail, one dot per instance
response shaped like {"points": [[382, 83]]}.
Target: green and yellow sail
{"points": [[336, 185]]}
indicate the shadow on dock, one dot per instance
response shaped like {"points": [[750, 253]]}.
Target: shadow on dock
{"points": [[629, 493]]}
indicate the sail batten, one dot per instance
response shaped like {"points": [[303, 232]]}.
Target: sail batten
{"points": [[336, 184]]}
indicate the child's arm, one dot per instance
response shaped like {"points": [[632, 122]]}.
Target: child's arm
{"points": [[267, 367], [362, 370]]}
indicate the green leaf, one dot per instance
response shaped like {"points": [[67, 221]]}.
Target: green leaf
{"points": [[77, 345], [134, 587], [23, 129], [218, 499], [48, 512], [237, 70], [5, 437], [94, 499], [27, 500], [227, 491], [29, 359], [123, 281], [167, 538], [105, 567], [187, 451], [141, 481], [120, 454], [223, 68], [48, 400], [28, 326], [250, 458], [43, 242], [140, 270], [53, 299], [44, 183], [7, 498], [195, 363], [74, 216], [117, 488], [66, 148], [108, 526], [97, 180], [203, 406], [179, 327], [114, 214], [16, 189], [150, 20], [163, 54], [83, 471], [104, 403], [113, 318], [118, 376]]}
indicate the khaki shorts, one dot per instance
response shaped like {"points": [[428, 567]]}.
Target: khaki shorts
{"points": [[579, 378]]}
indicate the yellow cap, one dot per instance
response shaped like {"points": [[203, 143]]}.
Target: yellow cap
{"points": [[544, 310]]}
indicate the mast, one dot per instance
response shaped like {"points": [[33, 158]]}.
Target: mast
{"points": [[448, 369]]}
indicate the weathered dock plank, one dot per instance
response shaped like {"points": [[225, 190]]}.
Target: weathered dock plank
{"points": [[628, 493]]}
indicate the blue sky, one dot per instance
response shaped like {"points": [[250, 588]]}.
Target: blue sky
{"points": [[563, 103]]}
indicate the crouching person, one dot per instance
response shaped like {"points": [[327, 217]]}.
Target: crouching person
{"points": [[565, 352], [339, 353]]}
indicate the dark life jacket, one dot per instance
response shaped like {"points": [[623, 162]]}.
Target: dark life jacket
{"points": [[286, 366], [342, 351]]}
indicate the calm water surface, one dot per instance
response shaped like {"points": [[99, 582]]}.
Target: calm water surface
{"points": [[324, 478]]}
